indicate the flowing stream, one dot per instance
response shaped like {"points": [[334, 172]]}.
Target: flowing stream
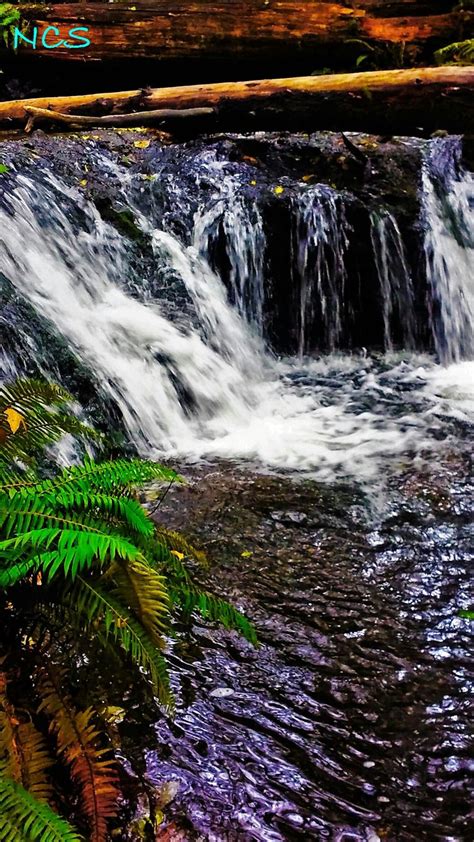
{"points": [[363, 386]]}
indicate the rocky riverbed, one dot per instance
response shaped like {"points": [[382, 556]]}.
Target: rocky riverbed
{"points": [[351, 720]]}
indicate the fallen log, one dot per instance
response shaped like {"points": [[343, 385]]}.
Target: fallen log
{"points": [[394, 102], [243, 29], [159, 116]]}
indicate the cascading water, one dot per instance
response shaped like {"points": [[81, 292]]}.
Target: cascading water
{"points": [[351, 720], [396, 285], [235, 224], [320, 242], [74, 279], [448, 192], [200, 383]]}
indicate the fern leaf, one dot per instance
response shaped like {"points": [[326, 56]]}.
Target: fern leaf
{"points": [[144, 591], [461, 52], [23, 753], [96, 605], [41, 407], [27, 510], [191, 598], [118, 476], [92, 768], [175, 541], [28, 819], [218, 610], [68, 551]]}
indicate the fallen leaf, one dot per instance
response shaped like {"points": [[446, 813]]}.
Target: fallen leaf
{"points": [[253, 183], [15, 419], [246, 554], [83, 182], [178, 555], [278, 190], [141, 144]]}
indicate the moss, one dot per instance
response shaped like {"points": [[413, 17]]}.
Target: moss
{"points": [[123, 220]]}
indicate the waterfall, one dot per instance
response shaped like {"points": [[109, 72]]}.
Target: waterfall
{"points": [[396, 286], [320, 241], [176, 340], [448, 195], [234, 223], [75, 279]]}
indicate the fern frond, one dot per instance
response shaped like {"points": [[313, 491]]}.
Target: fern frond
{"points": [[144, 591], [97, 605], [119, 476], [185, 594], [218, 610], [92, 767], [460, 52], [43, 409], [175, 541], [23, 753], [25, 510], [28, 819], [67, 550]]}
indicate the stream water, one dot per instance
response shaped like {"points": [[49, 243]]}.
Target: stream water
{"points": [[337, 455]]}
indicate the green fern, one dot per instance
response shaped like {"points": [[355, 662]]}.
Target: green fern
{"points": [[460, 52], [10, 19], [83, 569], [45, 413], [96, 608], [23, 817]]}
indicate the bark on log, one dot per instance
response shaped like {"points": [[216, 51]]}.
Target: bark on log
{"points": [[394, 102], [243, 29]]}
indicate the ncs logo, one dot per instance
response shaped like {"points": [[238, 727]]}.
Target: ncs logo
{"points": [[48, 40]]}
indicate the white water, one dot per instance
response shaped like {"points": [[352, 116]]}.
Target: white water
{"points": [[449, 247], [337, 416], [240, 224], [320, 241], [395, 278]]}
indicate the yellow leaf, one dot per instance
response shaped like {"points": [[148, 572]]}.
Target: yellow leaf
{"points": [[253, 183], [178, 555], [141, 144], [307, 177], [83, 182], [246, 554], [278, 190], [15, 419], [85, 136]]}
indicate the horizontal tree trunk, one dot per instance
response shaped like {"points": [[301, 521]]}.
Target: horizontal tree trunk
{"points": [[244, 29], [395, 101]]}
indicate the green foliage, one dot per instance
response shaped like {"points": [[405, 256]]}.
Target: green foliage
{"points": [[24, 818], [382, 56], [9, 19], [47, 408], [461, 52], [83, 568]]}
